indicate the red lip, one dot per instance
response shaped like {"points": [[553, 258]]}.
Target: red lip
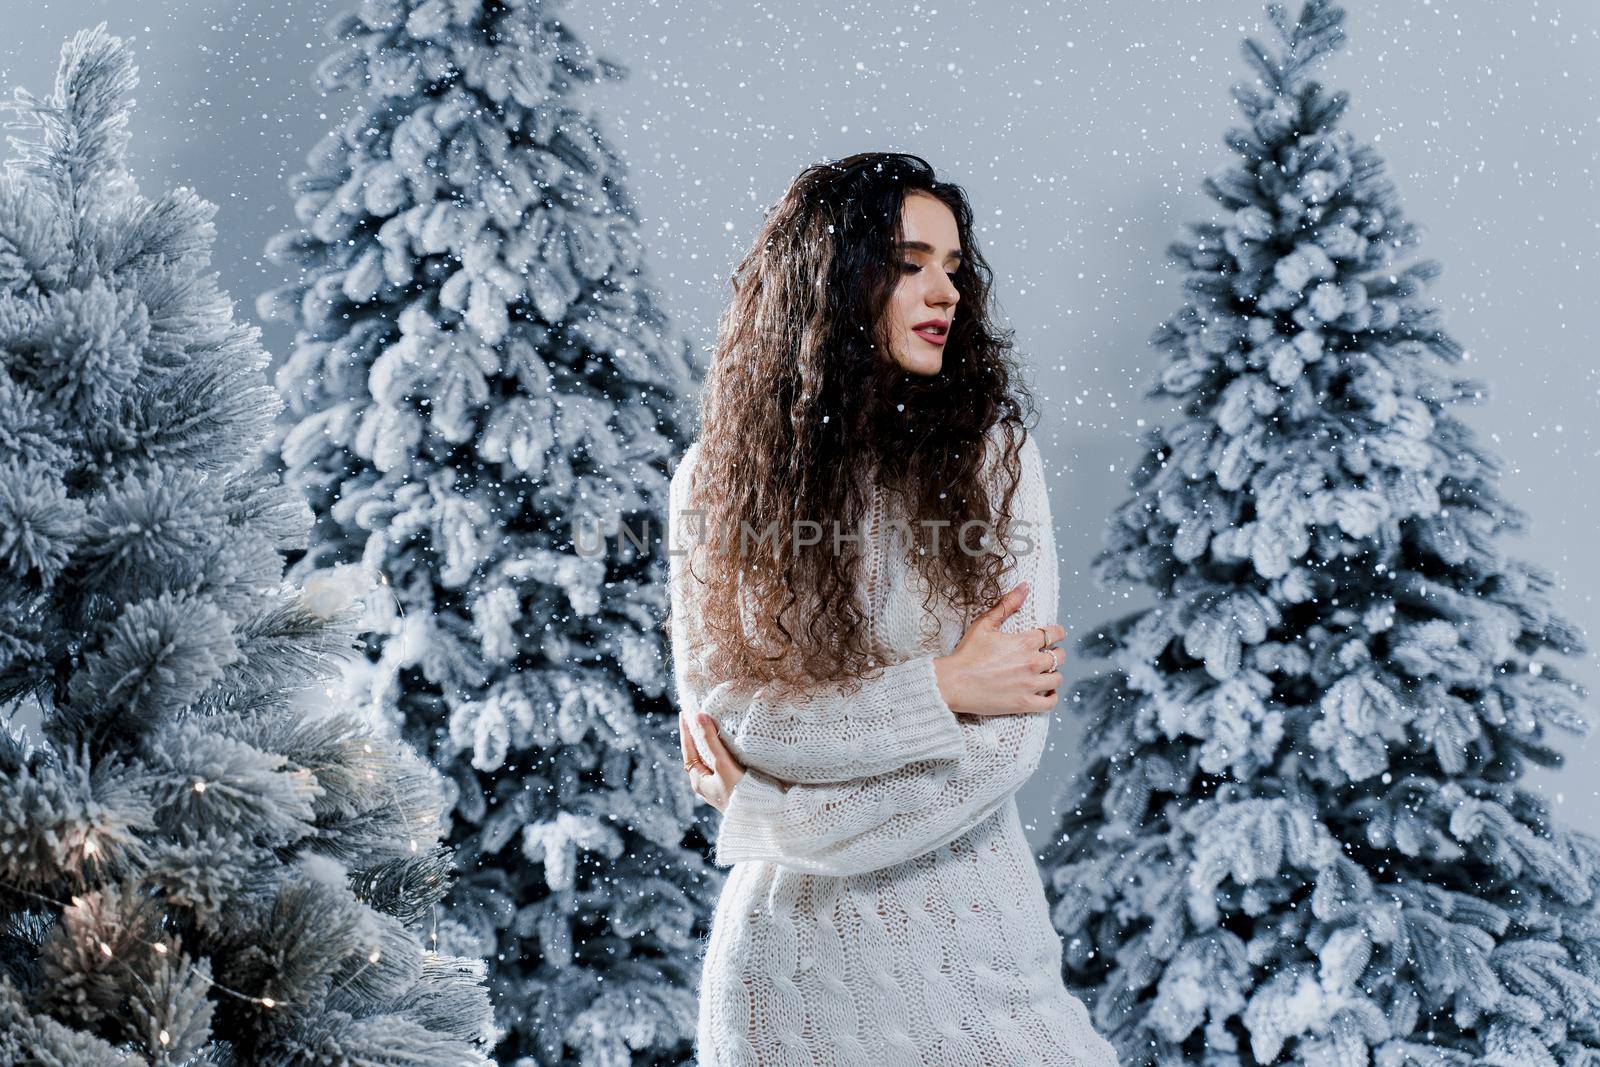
{"points": [[936, 339]]}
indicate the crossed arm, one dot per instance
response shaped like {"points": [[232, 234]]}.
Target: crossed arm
{"points": [[826, 734], [842, 785]]}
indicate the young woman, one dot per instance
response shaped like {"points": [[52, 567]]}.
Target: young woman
{"points": [[864, 583]]}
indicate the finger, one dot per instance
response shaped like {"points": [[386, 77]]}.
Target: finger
{"points": [[1006, 605], [691, 745], [716, 756], [683, 736], [1029, 640], [1012, 601], [723, 763], [1028, 643]]}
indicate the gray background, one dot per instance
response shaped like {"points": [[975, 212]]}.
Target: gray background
{"points": [[1081, 129]]}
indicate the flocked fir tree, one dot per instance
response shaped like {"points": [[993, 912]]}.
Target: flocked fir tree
{"points": [[1299, 836], [480, 374], [202, 859]]}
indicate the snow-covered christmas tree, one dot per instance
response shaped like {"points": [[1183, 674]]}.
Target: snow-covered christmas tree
{"points": [[202, 859], [1299, 836], [484, 386]]}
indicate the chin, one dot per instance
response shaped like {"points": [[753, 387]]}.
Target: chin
{"points": [[925, 365]]}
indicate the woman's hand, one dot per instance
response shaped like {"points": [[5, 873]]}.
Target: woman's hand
{"points": [[713, 777], [994, 673]]}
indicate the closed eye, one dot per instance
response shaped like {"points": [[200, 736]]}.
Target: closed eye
{"points": [[918, 266]]}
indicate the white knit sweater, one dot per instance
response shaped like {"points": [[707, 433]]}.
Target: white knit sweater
{"points": [[884, 907]]}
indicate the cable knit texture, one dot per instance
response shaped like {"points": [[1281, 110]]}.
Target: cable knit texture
{"points": [[884, 907]]}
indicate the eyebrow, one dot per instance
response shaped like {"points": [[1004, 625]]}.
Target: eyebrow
{"points": [[923, 246]]}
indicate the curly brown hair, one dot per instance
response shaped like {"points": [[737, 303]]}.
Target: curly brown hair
{"points": [[803, 409]]}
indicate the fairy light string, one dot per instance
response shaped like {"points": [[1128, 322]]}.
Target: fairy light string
{"points": [[159, 947], [91, 849]]}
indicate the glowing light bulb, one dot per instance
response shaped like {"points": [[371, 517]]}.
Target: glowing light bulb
{"points": [[413, 844], [161, 950], [199, 785], [164, 1037], [89, 846], [105, 950], [372, 957], [268, 1002]]}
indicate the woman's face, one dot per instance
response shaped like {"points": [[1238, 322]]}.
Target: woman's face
{"points": [[926, 294]]}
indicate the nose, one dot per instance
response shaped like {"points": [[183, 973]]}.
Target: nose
{"points": [[944, 294]]}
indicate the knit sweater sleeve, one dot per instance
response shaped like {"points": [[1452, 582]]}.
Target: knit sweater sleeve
{"points": [[879, 820], [825, 734]]}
